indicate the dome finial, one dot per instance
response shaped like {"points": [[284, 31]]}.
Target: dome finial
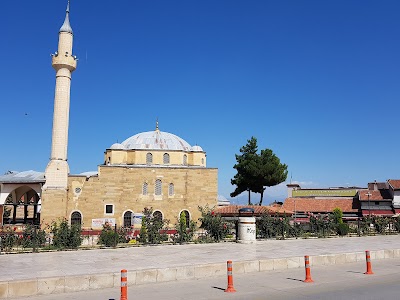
{"points": [[66, 27], [157, 125]]}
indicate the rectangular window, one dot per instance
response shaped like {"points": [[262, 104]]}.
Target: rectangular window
{"points": [[109, 209]]}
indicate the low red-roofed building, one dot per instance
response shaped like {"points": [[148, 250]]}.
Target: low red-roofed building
{"points": [[232, 211], [303, 206], [322, 201], [394, 189], [376, 202]]}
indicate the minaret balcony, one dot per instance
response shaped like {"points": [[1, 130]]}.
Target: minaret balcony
{"points": [[64, 61]]}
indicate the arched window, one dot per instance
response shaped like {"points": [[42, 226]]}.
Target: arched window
{"points": [[145, 188], [158, 215], [171, 189], [149, 158], [128, 219], [166, 158], [157, 188], [202, 161], [187, 217], [76, 218], [185, 159]]}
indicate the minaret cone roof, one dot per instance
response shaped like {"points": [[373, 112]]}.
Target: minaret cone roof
{"points": [[66, 27]]}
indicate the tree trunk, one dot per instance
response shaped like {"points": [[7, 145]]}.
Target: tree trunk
{"points": [[261, 197], [249, 198]]}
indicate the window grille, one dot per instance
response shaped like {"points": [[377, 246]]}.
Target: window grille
{"points": [[157, 189], [166, 158], [76, 218], [128, 219], [158, 215], [171, 189], [149, 158], [145, 188], [185, 159]]}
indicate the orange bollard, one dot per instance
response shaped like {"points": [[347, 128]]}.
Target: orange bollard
{"points": [[369, 267], [308, 272], [230, 288], [124, 285]]}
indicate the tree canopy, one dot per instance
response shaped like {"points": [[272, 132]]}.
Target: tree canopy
{"points": [[256, 171]]}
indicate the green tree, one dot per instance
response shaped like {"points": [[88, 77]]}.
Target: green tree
{"points": [[247, 168], [143, 237], [337, 216], [256, 171], [271, 172]]}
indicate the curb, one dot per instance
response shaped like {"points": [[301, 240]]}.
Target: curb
{"points": [[68, 284]]}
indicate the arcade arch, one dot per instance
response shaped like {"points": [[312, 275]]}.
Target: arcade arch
{"points": [[21, 204]]}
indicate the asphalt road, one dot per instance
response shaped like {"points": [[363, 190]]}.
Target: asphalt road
{"points": [[345, 281]]}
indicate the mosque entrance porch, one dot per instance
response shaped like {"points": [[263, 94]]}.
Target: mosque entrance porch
{"points": [[22, 210]]}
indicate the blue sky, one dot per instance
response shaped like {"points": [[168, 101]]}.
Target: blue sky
{"points": [[315, 81]]}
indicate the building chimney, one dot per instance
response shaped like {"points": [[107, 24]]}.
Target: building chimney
{"points": [[375, 186]]}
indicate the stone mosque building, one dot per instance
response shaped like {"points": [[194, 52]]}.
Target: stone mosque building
{"points": [[151, 169]]}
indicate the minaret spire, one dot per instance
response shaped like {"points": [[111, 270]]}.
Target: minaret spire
{"points": [[66, 27], [64, 63]]}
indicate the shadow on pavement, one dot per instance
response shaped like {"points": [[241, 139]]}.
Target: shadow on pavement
{"points": [[218, 288], [295, 279]]}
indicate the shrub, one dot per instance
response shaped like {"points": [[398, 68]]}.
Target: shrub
{"points": [[153, 228], [108, 237], [266, 226], [32, 237], [396, 224], [342, 229], [214, 225], [64, 235], [123, 235], [8, 240], [184, 234], [143, 237], [380, 224]]}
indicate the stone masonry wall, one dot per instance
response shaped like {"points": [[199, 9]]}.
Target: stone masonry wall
{"points": [[123, 188]]}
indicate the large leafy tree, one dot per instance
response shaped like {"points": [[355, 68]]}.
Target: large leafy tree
{"points": [[246, 166], [271, 171], [256, 171]]}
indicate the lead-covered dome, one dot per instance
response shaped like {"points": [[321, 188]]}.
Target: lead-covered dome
{"points": [[156, 140], [117, 146], [197, 148]]}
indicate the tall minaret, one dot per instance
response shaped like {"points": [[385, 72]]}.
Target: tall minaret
{"points": [[64, 63]]}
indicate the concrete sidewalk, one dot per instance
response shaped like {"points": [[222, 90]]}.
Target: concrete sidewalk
{"points": [[336, 282], [59, 272]]}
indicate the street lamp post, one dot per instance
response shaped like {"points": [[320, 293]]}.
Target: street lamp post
{"points": [[369, 204], [295, 210]]}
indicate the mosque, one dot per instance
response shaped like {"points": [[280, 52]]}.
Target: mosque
{"points": [[150, 169]]}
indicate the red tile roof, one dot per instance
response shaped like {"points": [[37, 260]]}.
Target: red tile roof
{"points": [[395, 183], [374, 195], [233, 210], [321, 205]]}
